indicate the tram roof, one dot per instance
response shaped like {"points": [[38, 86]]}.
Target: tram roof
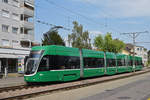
{"points": [[68, 51], [58, 50], [120, 56]]}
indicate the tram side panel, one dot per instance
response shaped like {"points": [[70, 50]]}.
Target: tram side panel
{"points": [[121, 63], [93, 63], [111, 67]]}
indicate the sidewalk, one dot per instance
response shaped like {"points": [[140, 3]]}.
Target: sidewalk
{"points": [[11, 81]]}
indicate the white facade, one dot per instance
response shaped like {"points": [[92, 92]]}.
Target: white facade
{"points": [[16, 30], [141, 52]]}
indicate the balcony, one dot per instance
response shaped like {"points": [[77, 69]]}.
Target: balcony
{"points": [[27, 44], [28, 25], [29, 3], [28, 11], [26, 37]]}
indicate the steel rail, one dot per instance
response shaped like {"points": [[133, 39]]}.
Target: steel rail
{"points": [[83, 83]]}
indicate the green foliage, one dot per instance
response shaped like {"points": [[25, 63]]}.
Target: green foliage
{"points": [[79, 38], [118, 45], [107, 44], [54, 39], [148, 54]]}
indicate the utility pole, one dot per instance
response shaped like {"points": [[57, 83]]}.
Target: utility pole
{"points": [[134, 35]]}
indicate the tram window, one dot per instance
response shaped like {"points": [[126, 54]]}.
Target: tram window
{"points": [[111, 62], [140, 62], [136, 62], [59, 62], [131, 62], [44, 65], [120, 62], [66, 62], [55, 62], [73, 63], [93, 62], [100, 62]]}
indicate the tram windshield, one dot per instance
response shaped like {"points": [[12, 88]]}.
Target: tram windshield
{"points": [[32, 62]]}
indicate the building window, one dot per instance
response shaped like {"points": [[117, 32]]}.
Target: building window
{"points": [[14, 43], [5, 42], [16, 3], [5, 28], [5, 13], [5, 1], [15, 16], [15, 30]]}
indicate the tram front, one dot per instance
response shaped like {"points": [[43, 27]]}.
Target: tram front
{"points": [[31, 65]]}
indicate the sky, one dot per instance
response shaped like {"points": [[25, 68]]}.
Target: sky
{"points": [[96, 16]]}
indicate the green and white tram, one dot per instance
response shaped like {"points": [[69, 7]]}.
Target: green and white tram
{"points": [[59, 63]]}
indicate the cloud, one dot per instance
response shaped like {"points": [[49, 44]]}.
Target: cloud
{"points": [[95, 32], [121, 8]]}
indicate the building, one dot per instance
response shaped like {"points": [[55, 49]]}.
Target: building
{"points": [[125, 52], [139, 51], [16, 33], [128, 49], [142, 52]]}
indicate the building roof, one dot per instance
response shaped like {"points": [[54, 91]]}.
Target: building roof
{"points": [[129, 47]]}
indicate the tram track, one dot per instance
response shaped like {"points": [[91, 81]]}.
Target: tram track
{"points": [[12, 88], [25, 91]]}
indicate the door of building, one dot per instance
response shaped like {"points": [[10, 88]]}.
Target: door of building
{"points": [[12, 65]]}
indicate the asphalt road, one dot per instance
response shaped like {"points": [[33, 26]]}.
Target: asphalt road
{"points": [[138, 90], [132, 88]]}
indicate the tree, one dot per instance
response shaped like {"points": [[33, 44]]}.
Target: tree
{"points": [[118, 45], [107, 44], [53, 38], [79, 38], [148, 54]]}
